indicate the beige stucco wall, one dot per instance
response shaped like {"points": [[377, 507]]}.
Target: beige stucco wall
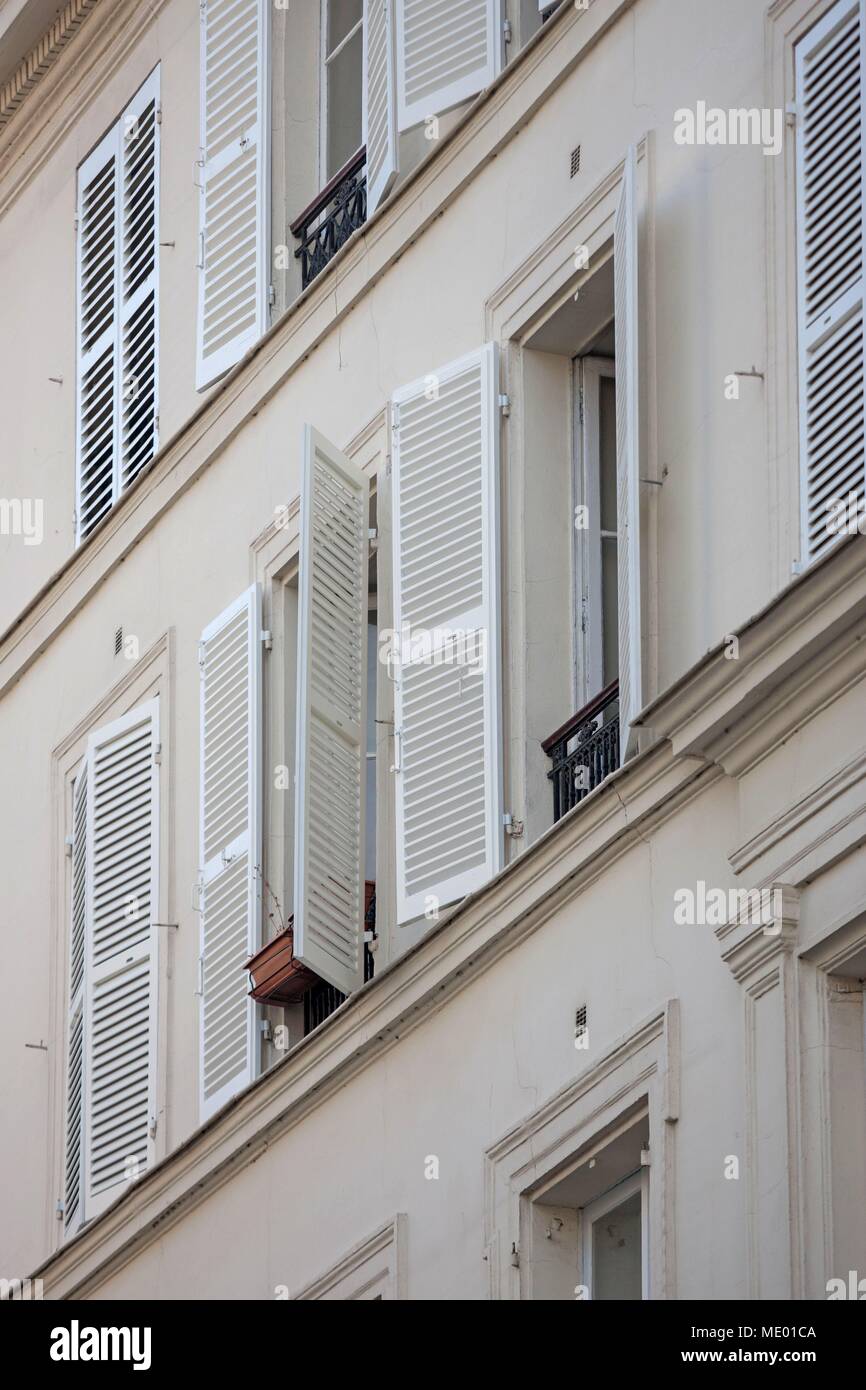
{"points": [[506, 1042]]}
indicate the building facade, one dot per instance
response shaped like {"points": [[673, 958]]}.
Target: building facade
{"points": [[432, 669]]}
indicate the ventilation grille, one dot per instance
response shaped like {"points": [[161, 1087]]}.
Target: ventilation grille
{"points": [[580, 1024], [575, 161], [118, 641]]}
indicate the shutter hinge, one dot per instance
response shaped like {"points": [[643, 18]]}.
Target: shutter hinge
{"points": [[159, 113], [201, 656], [200, 262], [156, 424], [791, 113], [196, 894], [200, 987], [59, 1208], [75, 224], [267, 639], [151, 1126], [505, 404], [580, 405], [272, 296], [515, 1255], [512, 827], [644, 1158], [507, 34], [157, 754], [373, 539], [583, 614], [68, 843]]}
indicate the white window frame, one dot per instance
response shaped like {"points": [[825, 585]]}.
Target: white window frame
{"points": [[324, 59], [588, 646], [596, 1210]]}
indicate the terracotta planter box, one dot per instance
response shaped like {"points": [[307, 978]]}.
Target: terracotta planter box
{"points": [[275, 975]]}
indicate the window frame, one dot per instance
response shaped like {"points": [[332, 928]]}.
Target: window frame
{"points": [[324, 111], [587, 570]]}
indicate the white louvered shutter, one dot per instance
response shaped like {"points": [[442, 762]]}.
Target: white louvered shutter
{"points": [[96, 403], [117, 411], [447, 51], [73, 1193], [121, 904], [231, 886], [139, 256], [380, 99], [830, 254], [331, 765], [445, 460], [233, 237], [625, 246]]}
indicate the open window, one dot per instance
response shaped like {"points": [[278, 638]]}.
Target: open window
{"points": [[341, 83], [594, 335]]}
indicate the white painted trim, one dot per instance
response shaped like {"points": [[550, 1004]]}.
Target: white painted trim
{"points": [[375, 1268], [607, 1202], [587, 549]]}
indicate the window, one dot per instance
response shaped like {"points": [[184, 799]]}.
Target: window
{"points": [[111, 1036], [613, 1242], [830, 140], [117, 409], [342, 48], [596, 564]]}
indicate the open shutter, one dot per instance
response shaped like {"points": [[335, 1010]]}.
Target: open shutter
{"points": [[233, 240], [447, 51], [625, 250], [230, 890], [139, 253], [830, 245], [98, 198], [380, 99], [445, 461], [121, 902], [73, 1193], [331, 772]]}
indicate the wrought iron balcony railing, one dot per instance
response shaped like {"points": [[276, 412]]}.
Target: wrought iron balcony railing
{"points": [[584, 750], [338, 211]]}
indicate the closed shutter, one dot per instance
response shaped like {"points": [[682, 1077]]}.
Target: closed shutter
{"points": [[117, 411], [830, 236], [380, 99], [232, 303], [230, 891], [447, 51], [625, 248], [445, 460], [121, 904], [72, 1205], [331, 716]]}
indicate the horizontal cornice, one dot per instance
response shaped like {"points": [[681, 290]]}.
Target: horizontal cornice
{"points": [[33, 68]]}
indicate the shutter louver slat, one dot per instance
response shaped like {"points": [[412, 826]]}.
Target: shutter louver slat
{"points": [[230, 846], [830, 234], [120, 995], [449, 802], [447, 51], [233, 217], [331, 716], [627, 456], [380, 100]]}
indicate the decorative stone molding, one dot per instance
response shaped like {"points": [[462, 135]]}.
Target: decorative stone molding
{"points": [[640, 1071], [762, 958], [34, 67], [373, 1269]]}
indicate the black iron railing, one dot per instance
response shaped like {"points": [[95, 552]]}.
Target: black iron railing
{"points": [[584, 751], [322, 999], [338, 211]]}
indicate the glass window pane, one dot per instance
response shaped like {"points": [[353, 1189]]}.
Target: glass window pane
{"points": [[342, 16], [616, 1252], [344, 105], [607, 440]]}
